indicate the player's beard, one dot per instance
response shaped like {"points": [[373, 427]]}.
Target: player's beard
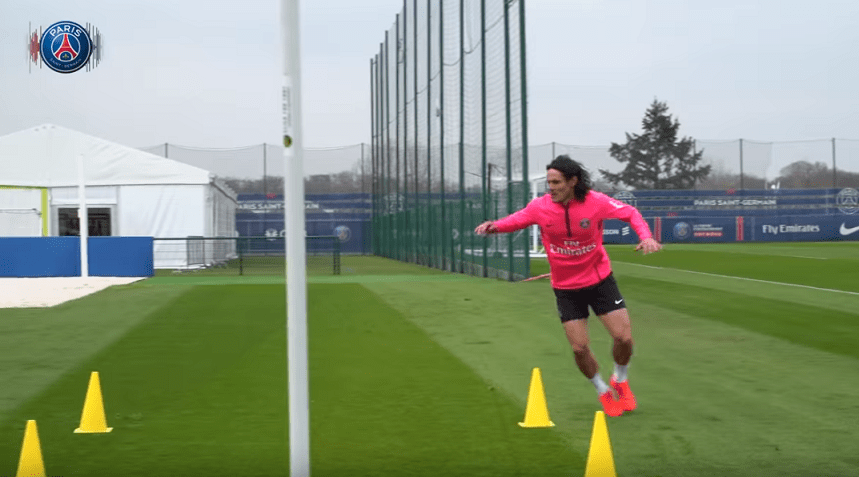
{"points": [[560, 197]]}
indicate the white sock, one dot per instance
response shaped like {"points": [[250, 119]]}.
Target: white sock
{"points": [[620, 372], [601, 386]]}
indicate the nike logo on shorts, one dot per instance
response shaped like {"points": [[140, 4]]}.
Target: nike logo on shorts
{"points": [[618, 302]]}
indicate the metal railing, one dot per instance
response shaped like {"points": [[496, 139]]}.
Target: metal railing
{"points": [[243, 255]]}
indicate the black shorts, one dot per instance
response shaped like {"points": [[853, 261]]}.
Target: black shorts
{"points": [[602, 297]]}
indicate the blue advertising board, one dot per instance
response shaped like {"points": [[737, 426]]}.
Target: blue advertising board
{"points": [[353, 230], [346, 216], [779, 228], [700, 229], [618, 232], [730, 202], [803, 229]]}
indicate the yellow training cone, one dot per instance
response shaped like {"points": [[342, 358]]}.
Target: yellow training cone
{"points": [[600, 459], [92, 419], [536, 411], [31, 463]]}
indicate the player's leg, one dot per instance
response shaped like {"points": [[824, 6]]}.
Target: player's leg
{"points": [[611, 310], [577, 335], [573, 311], [620, 329]]}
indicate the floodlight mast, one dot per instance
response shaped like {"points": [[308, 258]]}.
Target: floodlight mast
{"points": [[296, 272]]}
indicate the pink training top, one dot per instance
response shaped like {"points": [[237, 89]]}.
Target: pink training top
{"points": [[572, 235]]}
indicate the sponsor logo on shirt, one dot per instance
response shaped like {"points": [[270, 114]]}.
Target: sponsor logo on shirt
{"points": [[574, 252]]}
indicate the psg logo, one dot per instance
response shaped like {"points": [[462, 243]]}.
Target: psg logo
{"points": [[682, 230], [343, 232], [65, 47], [847, 200]]}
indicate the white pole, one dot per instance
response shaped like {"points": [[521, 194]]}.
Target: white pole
{"points": [[296, 277], [83, 217]]}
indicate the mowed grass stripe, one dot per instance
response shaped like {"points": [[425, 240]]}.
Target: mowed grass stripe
{"points": [[808, 325], [811, 250], [722, 400], [838, 272], [388, 400], [198, 388], [41, 344], [837, 300], [714, 399]]}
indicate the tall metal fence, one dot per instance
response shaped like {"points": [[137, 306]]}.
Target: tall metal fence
{"points": [[449, 135], [737, 164], [747, 170]]}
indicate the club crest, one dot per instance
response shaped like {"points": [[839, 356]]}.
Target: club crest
{"points": [[65, 47], [847, 201], [585, 223]]}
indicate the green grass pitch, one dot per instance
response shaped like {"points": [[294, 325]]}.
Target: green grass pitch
{"points": [[745, 364]]}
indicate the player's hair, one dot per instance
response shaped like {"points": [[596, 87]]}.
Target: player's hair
{"points": [[570, 168]]}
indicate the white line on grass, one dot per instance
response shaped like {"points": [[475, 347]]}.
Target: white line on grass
{"points": [[744, 278], [759, 254]]}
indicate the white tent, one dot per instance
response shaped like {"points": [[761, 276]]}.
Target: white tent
{"points": [[131, 192]]}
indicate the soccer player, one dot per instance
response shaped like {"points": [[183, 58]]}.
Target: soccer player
{"points": [[571, 218]]}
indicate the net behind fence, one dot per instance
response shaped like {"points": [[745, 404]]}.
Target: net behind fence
{"points": [[737, 163], [449, 136], [258, 169]]}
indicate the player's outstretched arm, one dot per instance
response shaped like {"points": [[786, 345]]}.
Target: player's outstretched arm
{"points": [[648, 245], [486, 228]]}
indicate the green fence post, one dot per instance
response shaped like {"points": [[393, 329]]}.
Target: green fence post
{"points": [[336, 255], [241, 257], [523, 101], [443, 228], [389, 235], [485, 189], [407, 223], [462, 136], [417, 230], [397, 226], [430, 241], [373, 157], [509, 131]]}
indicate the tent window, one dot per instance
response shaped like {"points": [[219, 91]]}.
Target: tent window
{"points": [[69, 223]]}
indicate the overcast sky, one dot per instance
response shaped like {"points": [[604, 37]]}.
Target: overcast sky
{"points": [[208, 74]]}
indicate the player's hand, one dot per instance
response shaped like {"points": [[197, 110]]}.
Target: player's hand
{"points": [[648, 245], [486, 228]]}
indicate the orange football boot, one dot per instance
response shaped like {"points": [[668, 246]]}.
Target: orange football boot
{"points": [[624, 394], [610, 405]]}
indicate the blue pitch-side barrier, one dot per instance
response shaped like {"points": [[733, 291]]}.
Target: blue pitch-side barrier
{"points": [[683, 216], [60, 257], [120, 257]]}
